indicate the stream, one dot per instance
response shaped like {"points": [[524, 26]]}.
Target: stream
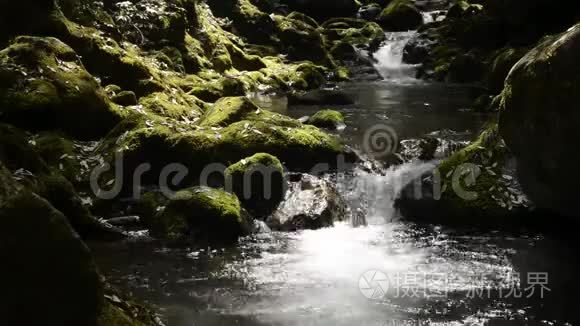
{"points": [[390, 272]]}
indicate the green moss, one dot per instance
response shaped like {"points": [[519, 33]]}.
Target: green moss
{"points": [[400, 15], [297, 35], [259, 183], [488, 153], [327, 119], [201, 214], [233, 109], [170, 106], [300, 147], [43, 85]]}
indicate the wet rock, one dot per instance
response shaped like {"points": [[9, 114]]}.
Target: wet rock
{"points": [[320, 97], [201, 214], [423, 149], [45, 261], [44, 85], [539, 119], [310, 203], [259, 183], [417, 49], [400, 15], [328, 119]]}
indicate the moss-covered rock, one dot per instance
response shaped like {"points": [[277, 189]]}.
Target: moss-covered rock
{"points": [[299, 147], [400, 15], [475, 186], [296, 35], [259, 183], [356, 32], [329, 119], [539, 120], [201, 214], [44, 85], [228, 110]]}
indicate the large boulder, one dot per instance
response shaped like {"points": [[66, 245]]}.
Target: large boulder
{"points": [[259, 183], [46, 265], [310, 203], [400, 15], [539, 120], [43, 85], [201, 214]]}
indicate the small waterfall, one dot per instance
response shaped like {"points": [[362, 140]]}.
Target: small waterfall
{"points": [[373, 195], [390, 58]]}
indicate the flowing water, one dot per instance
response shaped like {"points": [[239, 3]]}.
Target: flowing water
{"points": [[389, 272]]}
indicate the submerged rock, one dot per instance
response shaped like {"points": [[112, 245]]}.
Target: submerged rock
{"points": [[203, 215], [310, 203], [539, 120]]}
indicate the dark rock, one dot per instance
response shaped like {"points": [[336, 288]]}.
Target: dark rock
{"points": [[539, 121], [45, 261], [370, 11], [418, 49]]}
